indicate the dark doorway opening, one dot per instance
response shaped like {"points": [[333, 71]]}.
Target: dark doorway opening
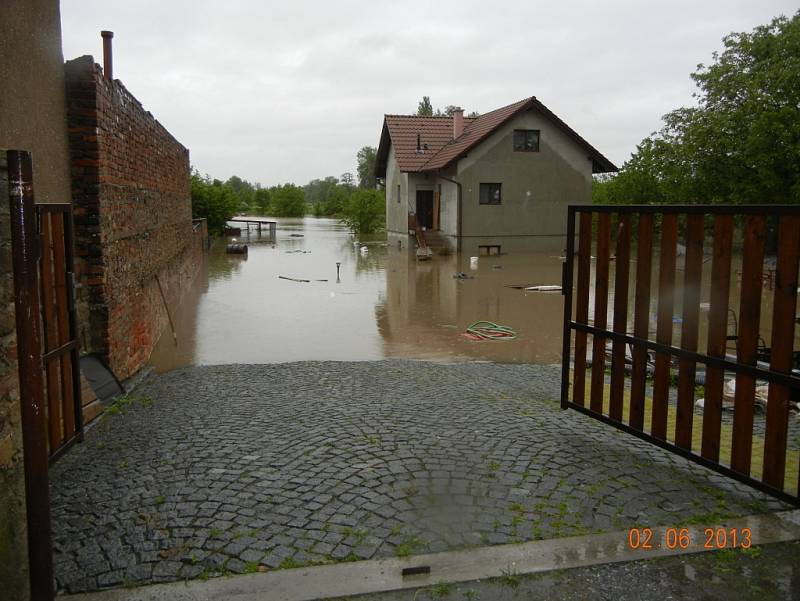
{"points": [[425, 208]]}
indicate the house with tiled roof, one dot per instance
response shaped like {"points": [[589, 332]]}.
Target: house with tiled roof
{"points": [[498, 182]]}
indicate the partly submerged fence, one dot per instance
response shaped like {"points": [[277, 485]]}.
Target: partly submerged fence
{"points": [[671, 267]]}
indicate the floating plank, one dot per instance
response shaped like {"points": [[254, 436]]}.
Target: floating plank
{"points": [[747, 343], [717, 334], [641, 319]]}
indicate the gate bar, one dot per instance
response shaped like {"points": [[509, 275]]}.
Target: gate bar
{"points": [[25, 248]]}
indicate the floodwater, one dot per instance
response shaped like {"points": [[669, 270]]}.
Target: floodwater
{"points": [[384, 304]]}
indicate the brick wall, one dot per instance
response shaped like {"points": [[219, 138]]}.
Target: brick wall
{"points": [[13, 533], [133, 222]]}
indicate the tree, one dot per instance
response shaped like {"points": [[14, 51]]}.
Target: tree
{"points": [[741, 143], [287, 201], [244, 190], [261, 201], [364, 211], [346, 180], [425, 108], [213, 200], [366, 167]]}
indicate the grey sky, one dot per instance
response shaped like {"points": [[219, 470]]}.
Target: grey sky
{"points": [[289, 91]]}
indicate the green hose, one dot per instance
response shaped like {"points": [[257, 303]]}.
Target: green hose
{"points": [[488, 330]]}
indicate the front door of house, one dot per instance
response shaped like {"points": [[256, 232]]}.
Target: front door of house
{"points": [[425, 208]]}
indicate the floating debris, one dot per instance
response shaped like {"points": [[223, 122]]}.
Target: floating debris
{"points": [[283, 277], [236, 249], [545, 288], [463, 276]]}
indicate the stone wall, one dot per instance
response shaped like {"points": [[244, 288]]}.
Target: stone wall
{"points": [[13, 533], [133, 222]]}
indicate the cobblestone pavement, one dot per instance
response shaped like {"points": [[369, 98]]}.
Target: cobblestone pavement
{"points": [[232, 469]]}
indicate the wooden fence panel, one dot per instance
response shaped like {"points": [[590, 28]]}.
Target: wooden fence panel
{"points": [[673, 413], [747, 343], [582, 306], [781, 351], [641, 319], [621, 274], [600, 311], [666, 304], [717, 334]]}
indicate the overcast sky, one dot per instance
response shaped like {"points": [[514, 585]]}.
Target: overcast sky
{"points": [[289, 91]]}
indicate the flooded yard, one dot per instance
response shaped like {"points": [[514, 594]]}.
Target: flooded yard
{"points": [[386, 304]]}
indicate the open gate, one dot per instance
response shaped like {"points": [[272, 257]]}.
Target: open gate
{"points": [[47, 349], [674, 302]]}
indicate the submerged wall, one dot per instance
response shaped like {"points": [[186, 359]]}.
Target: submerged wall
{"points": [[133, 220]]}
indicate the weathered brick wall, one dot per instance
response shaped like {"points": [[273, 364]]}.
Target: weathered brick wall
{"points": [[13, 534], [133, 221]]}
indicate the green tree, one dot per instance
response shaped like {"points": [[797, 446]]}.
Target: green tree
{"points": [[261, 200], [287, 200], [740, 144], [213, 200], [346, 180], [364, 212], [425, 108], [366, 167]]}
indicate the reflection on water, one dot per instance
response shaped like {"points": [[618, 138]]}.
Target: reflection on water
{"points": [[386, 304]]}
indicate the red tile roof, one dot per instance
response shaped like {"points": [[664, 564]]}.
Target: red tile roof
{"points": [[437, 132]]}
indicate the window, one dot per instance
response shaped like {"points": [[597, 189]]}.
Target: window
{"points": [[526, 140], [489, 250], [490, 194], [398, 192]]}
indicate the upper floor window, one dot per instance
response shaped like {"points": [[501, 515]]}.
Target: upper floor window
{"points": [[490, 194], [526, 140]]}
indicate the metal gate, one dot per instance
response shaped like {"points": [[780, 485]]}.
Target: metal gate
{"points": [[47, 349], [667, 278]]}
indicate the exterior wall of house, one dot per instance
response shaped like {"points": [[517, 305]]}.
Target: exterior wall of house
{"points": [[396, 206], [32, 118], [133, 220], [536, 187], [32, 102]]}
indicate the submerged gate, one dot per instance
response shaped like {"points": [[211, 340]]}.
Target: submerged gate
{"points": [[671, 303]]}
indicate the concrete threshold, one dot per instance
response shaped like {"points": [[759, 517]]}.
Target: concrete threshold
{"points": [[381, 575]]}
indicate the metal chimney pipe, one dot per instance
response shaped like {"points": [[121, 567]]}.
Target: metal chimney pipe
{"points": [[108, 60]]}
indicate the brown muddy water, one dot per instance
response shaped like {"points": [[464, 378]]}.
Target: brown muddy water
{"points": [[385, 304]]}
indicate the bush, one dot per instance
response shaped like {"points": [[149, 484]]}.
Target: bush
{"points": [[287, 201], [365, 211], [214, 200]]}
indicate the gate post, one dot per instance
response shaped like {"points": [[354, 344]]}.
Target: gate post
{"points": [[25, 251]]}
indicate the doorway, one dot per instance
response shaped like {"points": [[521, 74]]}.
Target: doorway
{"points": [[425, 208]]}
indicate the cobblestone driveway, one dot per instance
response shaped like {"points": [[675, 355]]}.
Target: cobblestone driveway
{"points": [[211, 470]]}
